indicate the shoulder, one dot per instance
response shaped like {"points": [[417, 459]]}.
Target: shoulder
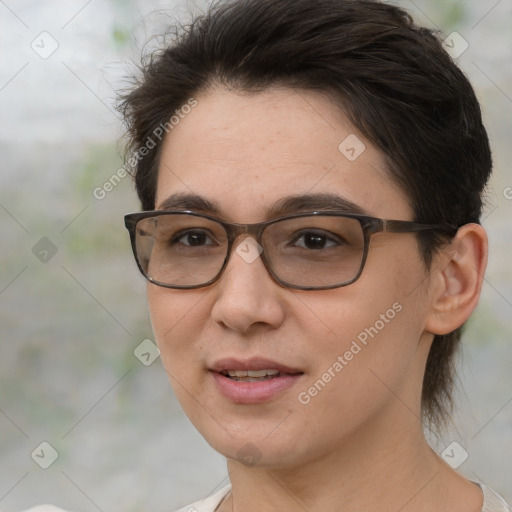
{"points": [[208, 504], [493, 502], [45, 508]]}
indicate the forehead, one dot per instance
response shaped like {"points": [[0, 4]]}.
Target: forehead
{"points": [[245, 152]]}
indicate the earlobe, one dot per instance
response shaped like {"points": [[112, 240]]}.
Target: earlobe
{"points": [[460, 271]]}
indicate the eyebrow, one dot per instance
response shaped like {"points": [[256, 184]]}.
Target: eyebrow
{"points": [[284, 206], [195, 202], [313, 202]]}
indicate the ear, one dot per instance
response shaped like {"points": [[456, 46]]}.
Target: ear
{"points": [[457, 280]]}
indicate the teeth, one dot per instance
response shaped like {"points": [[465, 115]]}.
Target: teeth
{"points": [[261, 373], [251, 373]]}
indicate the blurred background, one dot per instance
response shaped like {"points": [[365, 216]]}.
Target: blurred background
{"points": [[73, 374]]}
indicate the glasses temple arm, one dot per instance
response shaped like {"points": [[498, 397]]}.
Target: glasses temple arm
{"points": [[404, 226]]}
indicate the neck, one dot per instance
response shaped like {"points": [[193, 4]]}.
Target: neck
{"points": [[369, 471]]}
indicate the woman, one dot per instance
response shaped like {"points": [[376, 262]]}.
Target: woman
{"points": [[311, 176]]}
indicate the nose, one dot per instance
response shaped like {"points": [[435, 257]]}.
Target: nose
{"points": [[248, 298]]}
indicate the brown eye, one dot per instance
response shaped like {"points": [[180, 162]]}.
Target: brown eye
{"points": [[195, 238], [315, 240]]}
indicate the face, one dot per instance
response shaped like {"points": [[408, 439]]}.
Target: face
{"points": [[339, 352]]}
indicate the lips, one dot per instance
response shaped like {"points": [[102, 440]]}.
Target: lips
{"points": [[254, 380]]}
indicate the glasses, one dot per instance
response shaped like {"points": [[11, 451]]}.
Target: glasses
{"points": [[306, 251]]}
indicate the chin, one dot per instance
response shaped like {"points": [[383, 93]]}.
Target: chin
{"points": [[255, 447]]}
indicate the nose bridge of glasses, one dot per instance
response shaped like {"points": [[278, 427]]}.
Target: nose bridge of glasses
{"points": [[238, 235], [235, 231]]}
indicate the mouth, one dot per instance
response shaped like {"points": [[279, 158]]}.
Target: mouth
{"points": [[253, 380], [254, 368]]}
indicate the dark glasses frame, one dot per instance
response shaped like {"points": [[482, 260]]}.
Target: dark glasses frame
{"points": [[370, 226]]}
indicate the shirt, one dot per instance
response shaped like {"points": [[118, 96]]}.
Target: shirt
{"points": [[493, 502]]}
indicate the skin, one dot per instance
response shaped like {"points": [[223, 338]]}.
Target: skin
{"points": [[359, 441]]}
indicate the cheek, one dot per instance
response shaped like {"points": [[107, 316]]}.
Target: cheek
{"points": [[369, 342], [350, 381], [177, 318], [374, 335]]}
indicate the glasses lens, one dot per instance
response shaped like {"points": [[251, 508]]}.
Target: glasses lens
{"points": [[180, 250], [315, 250]]}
